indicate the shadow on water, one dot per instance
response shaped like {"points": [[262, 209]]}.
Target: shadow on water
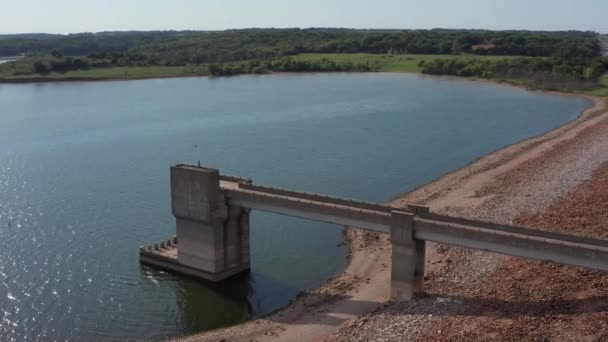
{"points": [[205, 305]]}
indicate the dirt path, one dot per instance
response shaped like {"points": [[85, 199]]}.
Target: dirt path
{"points": [[340, 310]]}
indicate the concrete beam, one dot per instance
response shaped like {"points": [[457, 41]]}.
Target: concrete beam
{"points": [[511, 229], [309, 209], [535, 244], [212, 217], [518, 242], [318, 198]]}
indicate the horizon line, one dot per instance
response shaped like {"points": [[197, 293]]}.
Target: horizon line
{"points": [[601, 32]]}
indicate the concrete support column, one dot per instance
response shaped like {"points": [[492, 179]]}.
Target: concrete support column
{"points": [[200, 212], [213, 238], [420, 267], [232, 237], [408, 258], [244, 235]]}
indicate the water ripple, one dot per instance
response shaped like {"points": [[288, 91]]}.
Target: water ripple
{"points": [[84, 182]]}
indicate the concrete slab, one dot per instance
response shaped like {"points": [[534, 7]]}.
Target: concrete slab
{"points": [[164, 256]]}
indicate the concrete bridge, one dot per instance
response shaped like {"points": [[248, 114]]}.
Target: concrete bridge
{"points": [[212, 224]]}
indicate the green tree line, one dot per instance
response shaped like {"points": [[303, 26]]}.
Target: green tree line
{"points": [[543, 73], [554, 60], [57, 63], [192, 47], [286, 64]]}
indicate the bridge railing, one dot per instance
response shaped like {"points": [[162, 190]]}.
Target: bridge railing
{"points": [[427, 226], [409, 227], [521, 242], [318, 197], [306, 208]]}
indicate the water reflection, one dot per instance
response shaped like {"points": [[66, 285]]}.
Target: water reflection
{"points": [[205, 305]]}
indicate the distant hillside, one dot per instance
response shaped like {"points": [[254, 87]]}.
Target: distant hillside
{"points": [[567, 61], [195, 47], [81, 44]]}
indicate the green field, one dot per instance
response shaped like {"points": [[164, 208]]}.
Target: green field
{"points": [[410, 63], [389, 63], [602, 90]]}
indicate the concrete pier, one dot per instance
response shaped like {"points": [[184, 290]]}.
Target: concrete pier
{"points": [[212, 225], [408, 258], [213, 238]]}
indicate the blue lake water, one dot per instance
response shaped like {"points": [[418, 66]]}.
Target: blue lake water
{"points": [[84, 181]]}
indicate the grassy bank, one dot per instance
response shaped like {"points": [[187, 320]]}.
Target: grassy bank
{"points": [[602, 90], [411, 63], [21, 71], [17, 72], [113, 73], [386, 62]]}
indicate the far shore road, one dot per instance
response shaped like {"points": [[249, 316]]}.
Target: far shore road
{"points": [[558, 182]]}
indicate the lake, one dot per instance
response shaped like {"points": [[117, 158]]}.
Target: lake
{"points": [[6, 60], [84, 181]]}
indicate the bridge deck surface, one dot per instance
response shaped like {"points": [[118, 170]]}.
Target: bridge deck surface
{"points": [[518, 241]]}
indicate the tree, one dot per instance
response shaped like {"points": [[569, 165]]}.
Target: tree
{"points": [[56, 54], [40, 67], [216, 69]]}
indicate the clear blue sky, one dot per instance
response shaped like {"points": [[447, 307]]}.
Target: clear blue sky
{"points": [[67, 16]]}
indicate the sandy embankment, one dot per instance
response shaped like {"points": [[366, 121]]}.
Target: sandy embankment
{"points": [[353, 305]]}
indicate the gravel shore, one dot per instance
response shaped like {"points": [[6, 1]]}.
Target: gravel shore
{"points": [[464, 288], [474, 295]]}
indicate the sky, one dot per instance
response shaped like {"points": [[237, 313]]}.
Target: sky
{"points": [[71, 16]]}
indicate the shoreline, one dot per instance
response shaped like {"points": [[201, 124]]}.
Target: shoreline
{"points": [[476, 295], [37, 80], [520, 146], [363, 287], [520, 180], [42, 79]]}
